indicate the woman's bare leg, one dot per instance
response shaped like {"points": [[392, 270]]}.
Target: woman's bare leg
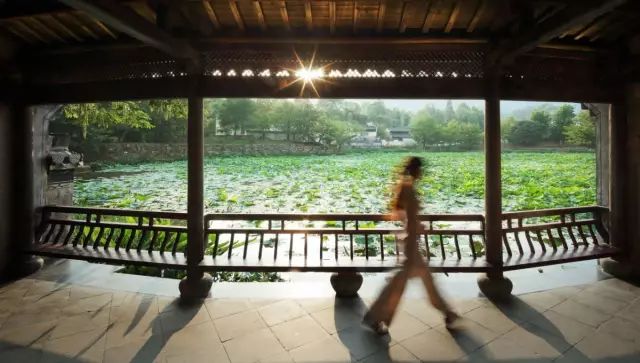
{"points": [[384, 308], [420, 269]]}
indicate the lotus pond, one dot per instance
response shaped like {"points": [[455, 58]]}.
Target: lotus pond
{"points": [[349, 183]]}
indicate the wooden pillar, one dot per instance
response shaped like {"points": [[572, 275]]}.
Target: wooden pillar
{"points": [[22, 223], [197, 284], [493, 284], [618, 153]]}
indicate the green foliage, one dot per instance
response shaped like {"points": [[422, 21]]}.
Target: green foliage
{"points": [[582, 131], [425, 130], [105, 115], [562, 118], [526, 133]]}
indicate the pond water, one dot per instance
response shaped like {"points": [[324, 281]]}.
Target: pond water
{"points": [[351, 183]]}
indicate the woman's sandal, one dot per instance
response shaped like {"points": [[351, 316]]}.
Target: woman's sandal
{"points": [[450, 319]]}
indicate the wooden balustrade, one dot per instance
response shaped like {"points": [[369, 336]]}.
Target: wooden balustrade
{"points": [[319, 242]]}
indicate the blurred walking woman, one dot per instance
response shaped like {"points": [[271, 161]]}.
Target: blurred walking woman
{"points": [[405, 207]]}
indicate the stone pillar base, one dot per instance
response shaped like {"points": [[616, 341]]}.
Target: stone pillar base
{"points": [[624, 270], [192, 289], [26, 266], [496, 288], [346, 284]]}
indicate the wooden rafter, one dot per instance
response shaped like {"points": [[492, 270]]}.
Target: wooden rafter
{"points": [[428, 19], [308, 18], [104, 28], [19, 34], [453, 17], [477, 16], [403, 18], [29, 31], [260, 14], [74, 18], [382, 8], [233, 6], [355, 16], [211, 14], [332, 16], [65, 29], [594, 27], [131, 23], [284, 14], [568, 18], [44, 29]]}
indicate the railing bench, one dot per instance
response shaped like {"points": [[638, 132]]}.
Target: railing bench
{"points": [[345, 244]]}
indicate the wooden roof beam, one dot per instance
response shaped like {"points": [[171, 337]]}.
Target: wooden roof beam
{"points": [[382, 8], [308, 17], [284, 14], [476, 16], [129, 22], [260, 14], [428, 19], [332, 17], [569, 17], [233, 6], [453, 17], [211, 14]]}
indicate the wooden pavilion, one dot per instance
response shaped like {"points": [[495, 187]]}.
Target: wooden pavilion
{"points": [[100, 50]]}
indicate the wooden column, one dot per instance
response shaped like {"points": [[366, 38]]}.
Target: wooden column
{"points": [[493, 284], [618, 154], [22, 223], [197, 284]]}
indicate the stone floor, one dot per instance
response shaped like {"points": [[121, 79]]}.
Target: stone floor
{"points": [[53, 321]]}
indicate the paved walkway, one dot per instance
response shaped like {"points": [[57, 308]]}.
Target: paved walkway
{"points": [[48, 321]]}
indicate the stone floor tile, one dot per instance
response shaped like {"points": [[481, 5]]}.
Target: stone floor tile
{"points": [[405, 325], [196, 341], [434, 346], [622, 329], [42, 289], [89, 304], [87, 346], [518, 310], [334, 319], [362, 342], [219, 308], [599, 302], [581, 313], [83, 292], [602, 346], [30, 336], [252, 347], [327, 350], [280, 312], [631, 312], [492, 318], [621, 291], [260, 303], [544, 299], [17, 288], [423, 311], [299, 331], [183, 316], [317, 304], [32, 315], [135, 302], [569, 329], [503, 350], [22, 354], [236, 325], [80, 323], [284, 357], [468, 334], [395, 353], [125, 325], [138, 350], [464, 306], [567, 291], [541, 342]]}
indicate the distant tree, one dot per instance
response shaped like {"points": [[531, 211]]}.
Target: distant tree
{"points": [[470, 115], [425, 130], [525, 133], [462, 135], [543, 119], [236, 114], [335, 132], [562, 118], [106, 115], [506, 126], [383, 134], [582, 132], [449, 113]]}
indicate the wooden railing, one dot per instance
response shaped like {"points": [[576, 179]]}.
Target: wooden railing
{"points": [[540, 237], [319, 242]]}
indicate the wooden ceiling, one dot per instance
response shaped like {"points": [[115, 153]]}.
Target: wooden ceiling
{"points": [[51, 24]]}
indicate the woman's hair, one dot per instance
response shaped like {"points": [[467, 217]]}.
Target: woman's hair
{"points": [[412, 167]]}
